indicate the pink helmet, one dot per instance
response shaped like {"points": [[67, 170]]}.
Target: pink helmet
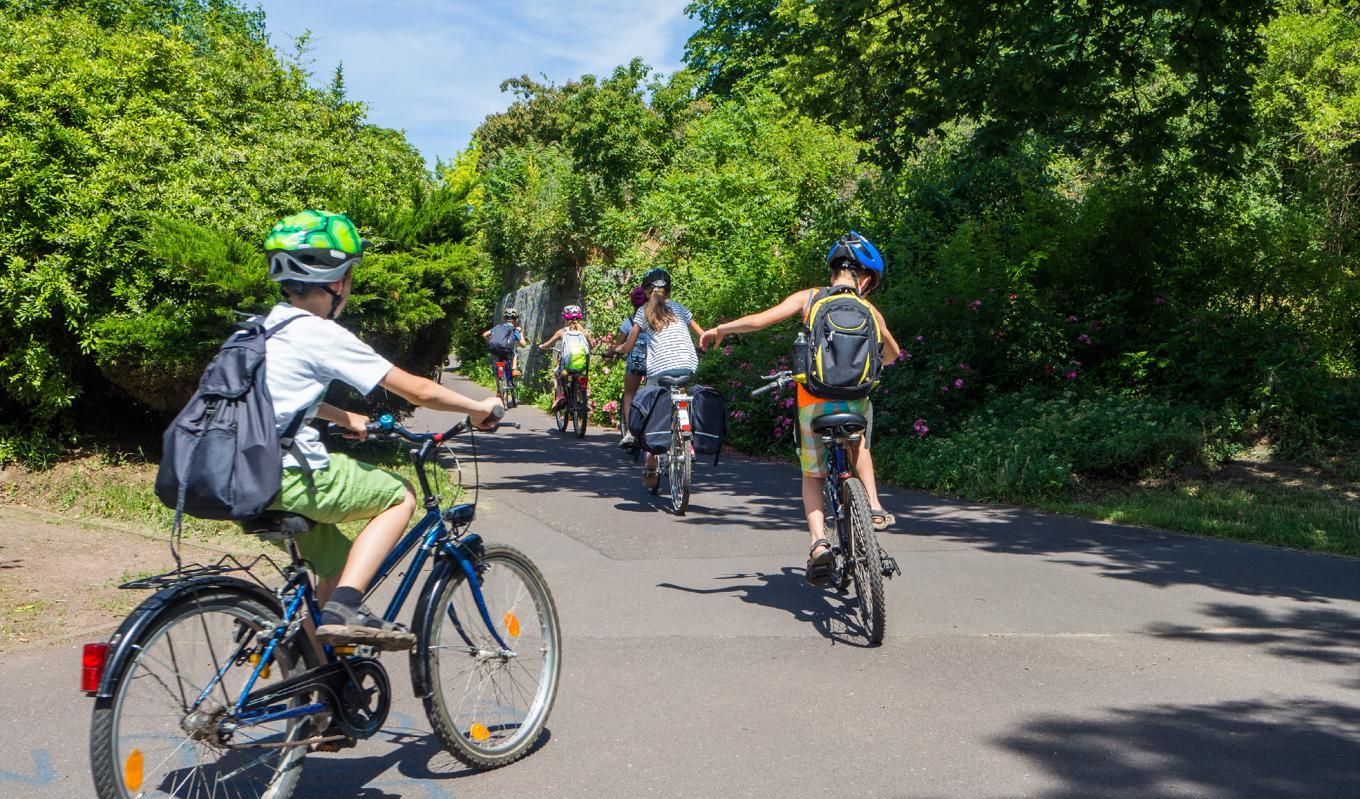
{"points": [[572, 312]]}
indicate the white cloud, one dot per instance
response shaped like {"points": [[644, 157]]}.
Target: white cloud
{"points": [[434, 68]]}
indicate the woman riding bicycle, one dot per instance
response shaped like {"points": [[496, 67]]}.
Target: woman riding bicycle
{"points": [[572, 353], [636, 366], [856, 264], [670, 349]]}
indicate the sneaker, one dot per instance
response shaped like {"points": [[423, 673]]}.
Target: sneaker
{"points": [[342, 624], [515, 373], [559, 402], [627, 442]]}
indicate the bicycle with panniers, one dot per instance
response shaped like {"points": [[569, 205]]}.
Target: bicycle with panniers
{"points": [[677, 421], [216, 685], [858, 557]]}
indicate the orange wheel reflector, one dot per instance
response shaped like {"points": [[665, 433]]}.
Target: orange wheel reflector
{"points": [[132, 771], [512, 624], [479, 732]]}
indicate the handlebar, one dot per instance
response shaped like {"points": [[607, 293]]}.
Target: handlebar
{"points": [[386, 428], [777, 380]]}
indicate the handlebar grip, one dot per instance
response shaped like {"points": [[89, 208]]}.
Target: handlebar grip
{"points": [[765, 388], [498, 412]]}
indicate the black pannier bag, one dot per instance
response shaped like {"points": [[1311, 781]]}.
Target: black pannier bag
{"points": [[649, 420], [708, 418], [222, 455]]}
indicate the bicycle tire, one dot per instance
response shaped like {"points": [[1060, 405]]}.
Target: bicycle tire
{"points": [[563, 414], [513, 395], [580, 407], [502, 393], [113, 725], [680, 471], [866, 561], [461, 730]]}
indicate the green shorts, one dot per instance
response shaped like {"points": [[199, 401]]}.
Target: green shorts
{"points": [[811, 450], [346, 490]]}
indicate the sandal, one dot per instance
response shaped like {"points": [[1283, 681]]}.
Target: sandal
{"points": [[882, 519], [819, 564]]}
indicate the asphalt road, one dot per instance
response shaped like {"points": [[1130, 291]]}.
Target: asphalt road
{"points": [[1027, 655]]}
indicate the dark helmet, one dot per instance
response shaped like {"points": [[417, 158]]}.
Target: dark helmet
{"points": [[657, 278], [510, 313], [857, 252]]}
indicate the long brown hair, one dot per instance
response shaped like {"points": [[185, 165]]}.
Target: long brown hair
{"points": [[659, 314]]}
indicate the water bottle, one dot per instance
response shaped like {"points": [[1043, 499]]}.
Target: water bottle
{"points": [[800, 353]]}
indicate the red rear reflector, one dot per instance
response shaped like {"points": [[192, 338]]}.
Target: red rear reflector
{"points": [[685, 428], [92, 662], [683, 404]]}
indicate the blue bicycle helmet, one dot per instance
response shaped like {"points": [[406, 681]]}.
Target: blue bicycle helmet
{"points": [[860, 253]]}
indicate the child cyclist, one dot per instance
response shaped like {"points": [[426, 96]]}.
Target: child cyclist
{"points": [[635, 368], [506, 336], [572, 352], [670, 350], [857, 264], [312, 256]]}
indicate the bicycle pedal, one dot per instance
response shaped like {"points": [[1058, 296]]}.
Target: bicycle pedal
{"points": [[889, 567], [334, 744]]}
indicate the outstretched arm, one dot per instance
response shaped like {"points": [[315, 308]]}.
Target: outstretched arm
{"points": [[628, 343], [429, 394], [750, 323], [551, 340]]}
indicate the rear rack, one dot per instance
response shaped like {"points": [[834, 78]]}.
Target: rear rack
{"points": [[227, 564]]}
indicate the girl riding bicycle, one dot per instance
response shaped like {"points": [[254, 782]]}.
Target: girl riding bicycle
{"points": [[856, 264], [636, 366], [572, 353], [670, 350]]}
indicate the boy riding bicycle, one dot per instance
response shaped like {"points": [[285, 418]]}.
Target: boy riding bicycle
{"points": [[503, 341], [857, 266], [312, 256]]}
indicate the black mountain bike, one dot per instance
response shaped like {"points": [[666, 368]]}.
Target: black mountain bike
{"points": [[858, 556], [575, 408], [216, 686]]}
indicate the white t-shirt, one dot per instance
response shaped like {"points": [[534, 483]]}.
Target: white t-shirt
{"points": [[671, 348], [301, 360]]}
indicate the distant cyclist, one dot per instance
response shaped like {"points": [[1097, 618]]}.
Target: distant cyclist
{"points": [[312, 256], [572, 348], [635, 367], [856, 265], [502, 341], [670, 349]]}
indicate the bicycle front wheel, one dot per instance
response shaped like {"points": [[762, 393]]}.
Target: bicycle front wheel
{"points": [[155, 738], [489, 705], [865, 559]]}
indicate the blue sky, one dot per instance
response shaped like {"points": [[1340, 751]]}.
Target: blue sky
{"points": [[433, 67]]}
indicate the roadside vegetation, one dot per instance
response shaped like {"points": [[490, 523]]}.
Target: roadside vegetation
{"points": [[1122, 238]]}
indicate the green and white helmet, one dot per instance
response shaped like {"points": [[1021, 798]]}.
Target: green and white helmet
{"points": [[313, 247]]}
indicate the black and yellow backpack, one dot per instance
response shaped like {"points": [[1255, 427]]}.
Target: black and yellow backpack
{"points": [[844, 351]]}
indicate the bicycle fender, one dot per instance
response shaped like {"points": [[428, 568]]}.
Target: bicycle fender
{"points": [[446, 568], [126, 640]]}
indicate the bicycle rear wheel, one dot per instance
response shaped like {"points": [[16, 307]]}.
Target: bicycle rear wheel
{"points": [[866, 562], [489, 707], [679, 471], [153, 739], [580, 407]]}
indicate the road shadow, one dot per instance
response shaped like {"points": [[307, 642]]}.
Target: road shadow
{"points": [[1308, 634], [831, 614], [416, 766], [1231, 750]]}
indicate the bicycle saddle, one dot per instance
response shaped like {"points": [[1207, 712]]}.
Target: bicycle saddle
{"points": [[843, 423], [274, 525], [671, 381]]}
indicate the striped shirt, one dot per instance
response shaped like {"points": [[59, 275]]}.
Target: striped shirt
{"points": [[671, 347]]}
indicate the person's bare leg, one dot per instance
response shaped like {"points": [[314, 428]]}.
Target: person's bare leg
{"points": [[376, 540], [324, 589], [864, 470], [630, 387], [812, 508]]}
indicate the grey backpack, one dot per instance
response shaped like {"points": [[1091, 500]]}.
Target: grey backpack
{"points": [[222, 456]]}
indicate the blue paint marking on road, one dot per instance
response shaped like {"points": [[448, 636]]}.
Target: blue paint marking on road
{"points": [[42, 772]]}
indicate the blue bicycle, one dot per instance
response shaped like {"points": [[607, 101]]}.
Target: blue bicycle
{"points": [[217, 686], [858, 556]]}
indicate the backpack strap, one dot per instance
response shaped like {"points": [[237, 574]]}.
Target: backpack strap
{"points": [[813, 295], [290, 432]]}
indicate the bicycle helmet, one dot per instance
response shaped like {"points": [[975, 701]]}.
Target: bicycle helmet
{"points": [[657, 278], [510, 313], [313, 247], [572, 312], [858, 253]]}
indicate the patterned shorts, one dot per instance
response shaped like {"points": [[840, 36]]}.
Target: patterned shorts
{"points": [[811, 450]]}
